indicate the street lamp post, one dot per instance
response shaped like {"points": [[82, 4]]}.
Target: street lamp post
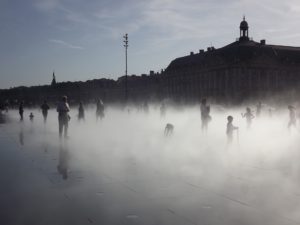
{"points": [[126, 46]]}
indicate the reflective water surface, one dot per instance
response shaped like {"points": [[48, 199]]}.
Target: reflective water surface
{"points": [[123, 170]]}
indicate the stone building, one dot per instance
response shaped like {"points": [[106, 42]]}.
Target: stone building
{"points": [[240, 70]]}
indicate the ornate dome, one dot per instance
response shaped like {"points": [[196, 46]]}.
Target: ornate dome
{"points": [[244, 25]]}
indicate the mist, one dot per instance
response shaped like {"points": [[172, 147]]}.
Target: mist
{"points": [[189, 177]]}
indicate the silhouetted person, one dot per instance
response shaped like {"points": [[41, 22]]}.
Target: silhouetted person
{"points": [[139, 107], [249, 116], [45, 107], [100, 109], [292, 121], [21, 110], [169, 129], [258, 109], [6, 104], [230, 129], [205, 117], [80, 112], [163, 110], [63, 162], [146, 107], [31, 116], [2, 117], [63, 116], [1, 107], [270, 113]]}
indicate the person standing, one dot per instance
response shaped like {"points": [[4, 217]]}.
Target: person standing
{"points": [[45, 107], [146, 107], [6, 105], [100, 109], [270, 112], [80, 112], [31, 116], [293, 120], [63, 116], [21, 110], [258, 109], [162, 110], [205, 117]]}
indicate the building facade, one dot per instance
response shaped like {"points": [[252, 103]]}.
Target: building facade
{"points": [[240, 70]]}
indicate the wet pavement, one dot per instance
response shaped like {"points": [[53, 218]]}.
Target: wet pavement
{"points": [[47, 181]]}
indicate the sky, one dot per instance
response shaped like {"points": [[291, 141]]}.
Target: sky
{"points": [[83, 39]]}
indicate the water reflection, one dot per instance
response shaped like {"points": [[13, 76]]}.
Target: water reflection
{"points": [[2, 118], [191, 172], [21, 135], [63, 161]]}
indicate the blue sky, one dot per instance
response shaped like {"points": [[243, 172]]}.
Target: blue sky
{"points": [[82, 39]]}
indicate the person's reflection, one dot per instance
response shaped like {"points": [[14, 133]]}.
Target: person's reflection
{"points": [[21, 135], [2, 117], [63, 162]]}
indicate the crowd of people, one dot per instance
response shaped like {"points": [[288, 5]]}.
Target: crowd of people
{"points": [[248, 115], [63, 110]]}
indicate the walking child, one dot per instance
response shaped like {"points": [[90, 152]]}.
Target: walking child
{"points": [[230, 129], [31, 116], [249, 117], [169, 129]]}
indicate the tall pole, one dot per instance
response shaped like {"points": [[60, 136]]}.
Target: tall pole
{"points": [[126, 46]]}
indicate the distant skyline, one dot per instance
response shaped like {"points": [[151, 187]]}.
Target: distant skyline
{"points": [[83, 40]]}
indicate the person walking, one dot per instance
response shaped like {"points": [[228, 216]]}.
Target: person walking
{"points": [[45, 107], [63, 116], [230, 128], [80, 112]]}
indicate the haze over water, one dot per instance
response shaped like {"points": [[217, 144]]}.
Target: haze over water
{"points": [[122, 170]]}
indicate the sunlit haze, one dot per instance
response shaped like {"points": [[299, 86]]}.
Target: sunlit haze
{"points": [[122, 170], [157, 112]]}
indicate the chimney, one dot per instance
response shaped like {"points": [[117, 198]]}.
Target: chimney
{"points": [[151, 72], [208, 49], [263, 42], [201, 51], [192, 53]]}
